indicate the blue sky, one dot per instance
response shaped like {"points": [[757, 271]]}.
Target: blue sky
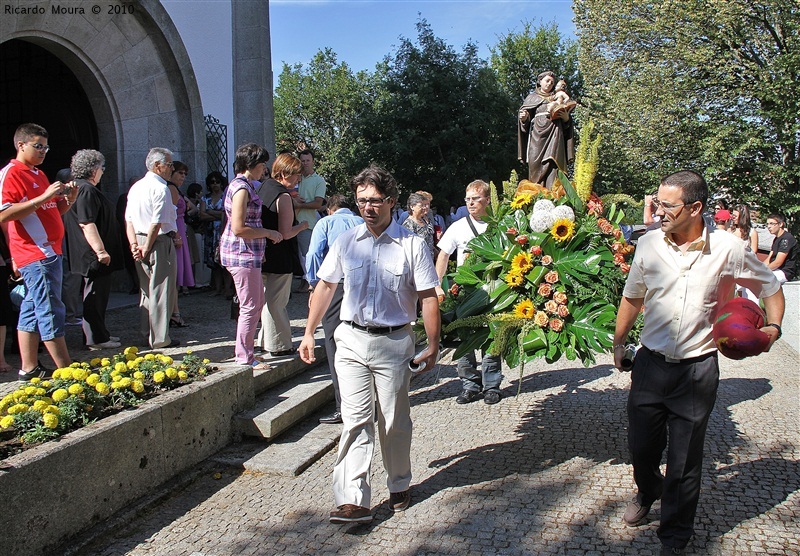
{"points": [[360, 32]]}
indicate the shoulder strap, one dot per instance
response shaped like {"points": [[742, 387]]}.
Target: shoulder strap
{"points": [[471, 225]]}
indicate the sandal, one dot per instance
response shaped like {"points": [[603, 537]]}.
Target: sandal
{"points": [[175, 321], [262, 366]]}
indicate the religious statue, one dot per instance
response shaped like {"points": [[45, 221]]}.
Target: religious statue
{"points": [[546, 131]]}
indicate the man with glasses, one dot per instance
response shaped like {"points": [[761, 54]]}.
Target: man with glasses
{"points": [[683, 274], [386, 270], [150, 223], [30, 214], [782, 259], [486, 382]]}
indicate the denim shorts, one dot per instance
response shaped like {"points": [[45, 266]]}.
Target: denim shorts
{"points": [[42, 310]]}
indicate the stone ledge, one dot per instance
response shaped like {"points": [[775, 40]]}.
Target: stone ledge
{"points": [[791, 318], [54, 491]]}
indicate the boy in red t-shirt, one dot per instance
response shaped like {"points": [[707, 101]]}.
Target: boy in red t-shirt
{"points": [[30, 214]]}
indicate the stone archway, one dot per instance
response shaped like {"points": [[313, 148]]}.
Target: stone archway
{"points": [[135, 73]]}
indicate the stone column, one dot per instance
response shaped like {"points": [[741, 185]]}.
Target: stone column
{"points": [[253, 114]]}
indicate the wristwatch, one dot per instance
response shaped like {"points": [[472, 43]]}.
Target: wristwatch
{"points": [[777, 327]]}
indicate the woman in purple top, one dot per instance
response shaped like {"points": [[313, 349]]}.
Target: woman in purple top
{"points": [[183, 257], [242, 245]]}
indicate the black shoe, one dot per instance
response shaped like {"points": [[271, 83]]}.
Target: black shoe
{"points": [[37, 372], [666, 550], [491, 397], [334, 418], [283, 353], [468, 396], [636, 512], [399, 501]]}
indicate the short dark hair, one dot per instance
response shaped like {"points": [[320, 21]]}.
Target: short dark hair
{"points": [[26, 132], [178, 166], [337, 201], [194, 189], [215, 175], [248, 156], [306, 151], [377, 177], [778, 218], [693, 186]]}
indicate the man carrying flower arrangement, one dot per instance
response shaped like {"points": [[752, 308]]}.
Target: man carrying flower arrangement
{"points": [[458, 235], [682, 273]]}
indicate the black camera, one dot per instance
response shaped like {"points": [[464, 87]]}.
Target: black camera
{"points": [[628, 357]]}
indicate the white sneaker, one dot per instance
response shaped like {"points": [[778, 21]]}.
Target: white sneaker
{"points": [[113, 338], [105, 345]]}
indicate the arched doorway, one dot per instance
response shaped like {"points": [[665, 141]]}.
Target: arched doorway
{"points": [[36, 86]]}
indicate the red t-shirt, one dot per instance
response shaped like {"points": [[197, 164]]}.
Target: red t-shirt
{"points": [[39, 234]]}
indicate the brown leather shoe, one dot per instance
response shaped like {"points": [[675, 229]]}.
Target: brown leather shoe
{"points": [[399, 501], [350, 513]]}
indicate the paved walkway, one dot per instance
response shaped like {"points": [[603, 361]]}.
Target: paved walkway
{"points": [[546, 472]]}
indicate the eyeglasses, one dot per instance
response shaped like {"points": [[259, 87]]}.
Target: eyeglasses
{"points": [[666, 207], [39, 147], [170, 164], [373, 202], [476, 199], [772, 224]]}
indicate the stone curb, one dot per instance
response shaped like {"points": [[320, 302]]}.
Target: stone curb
{"points": [[60, 488]]}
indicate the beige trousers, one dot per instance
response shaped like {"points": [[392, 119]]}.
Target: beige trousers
{"points": [[157, 281]]}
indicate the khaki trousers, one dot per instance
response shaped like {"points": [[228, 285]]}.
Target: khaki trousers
{"points": [[157, 281]]}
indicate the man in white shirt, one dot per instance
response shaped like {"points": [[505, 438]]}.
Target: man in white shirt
{"points": [[683, 273], [310, 199], [386, 271], [150, 224], [486, 382]]}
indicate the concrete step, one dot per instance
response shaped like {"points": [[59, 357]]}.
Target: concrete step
{"points": [[289, 455], [286, 404], [284, 368]]}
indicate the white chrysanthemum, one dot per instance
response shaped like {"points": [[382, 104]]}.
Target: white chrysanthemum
{"points": [[563, 211], [543, 205], [541, 221]]}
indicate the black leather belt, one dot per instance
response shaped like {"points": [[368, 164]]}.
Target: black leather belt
{"points": [[377, 330], [688, 361]]}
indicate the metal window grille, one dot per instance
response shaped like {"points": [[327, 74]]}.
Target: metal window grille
{"points": [[216, 145]]}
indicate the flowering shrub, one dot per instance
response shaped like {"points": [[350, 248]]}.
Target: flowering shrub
{"points": [[543, 280], [43, 409]]}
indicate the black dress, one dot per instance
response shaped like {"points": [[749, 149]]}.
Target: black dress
{"points": [[282, 257]]}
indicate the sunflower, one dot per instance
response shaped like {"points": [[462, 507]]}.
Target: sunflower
{"points": [[522, 262], [563, 229], [514, 279], [521, 200], [524, 309]]}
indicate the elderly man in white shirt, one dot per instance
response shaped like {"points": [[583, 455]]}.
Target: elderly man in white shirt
{"points": [[150, 224], [386, 271], [682, 273]]}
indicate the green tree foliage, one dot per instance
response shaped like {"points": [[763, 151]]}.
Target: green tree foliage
{"points": [[712, 85], [317, 106], [440, 119], [519, 57]]}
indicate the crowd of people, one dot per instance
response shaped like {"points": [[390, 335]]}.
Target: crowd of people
{"points": [[370, 274]]}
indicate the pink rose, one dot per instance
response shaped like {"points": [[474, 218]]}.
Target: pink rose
{"points": [[560, 298], [625, 267], [512, 231], [619, 258], [563, 311], [546, 260], [551, 307], [556, 325], [545, 289], [536, 250], [551, 277], [522, 240]]}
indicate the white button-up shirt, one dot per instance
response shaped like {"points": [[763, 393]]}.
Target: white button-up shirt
{"points": [[150, 202], [381, 275], [683, 291]]}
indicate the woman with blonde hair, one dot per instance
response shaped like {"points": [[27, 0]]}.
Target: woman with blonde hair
{"points": [[281, 260]]}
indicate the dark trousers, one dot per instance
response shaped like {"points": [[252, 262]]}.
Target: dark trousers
{"points": [[329, 323], [675, 398], [96, 290]]}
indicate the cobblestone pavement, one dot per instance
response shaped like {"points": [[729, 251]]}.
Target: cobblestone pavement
{"points": [[545, 472]]}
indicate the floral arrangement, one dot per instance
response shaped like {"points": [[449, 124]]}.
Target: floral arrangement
{"points": [[543, 280], [43, 409]]}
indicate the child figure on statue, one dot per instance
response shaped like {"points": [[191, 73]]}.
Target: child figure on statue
{"points": [[562, 105]]}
